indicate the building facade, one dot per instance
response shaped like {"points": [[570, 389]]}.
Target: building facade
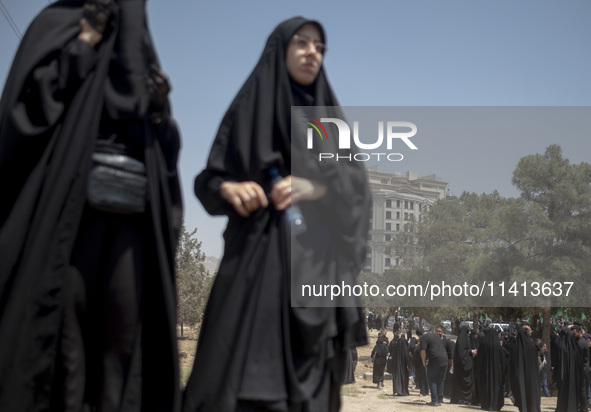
{"points": [[397, 200]]}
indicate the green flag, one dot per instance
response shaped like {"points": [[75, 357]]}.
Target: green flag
{"points": [[501, 318], [480, 318], [566, 317], [559, 313], [583, 317], [468, 314]]}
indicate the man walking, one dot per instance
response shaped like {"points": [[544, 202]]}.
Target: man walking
{"points": [[435, 359]]}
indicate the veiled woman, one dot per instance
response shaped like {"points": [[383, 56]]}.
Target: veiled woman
{"points": [[400, 367], [379, 355], [489, 367], [260, 347], [525, 382], [87, 296], [463, 372]]}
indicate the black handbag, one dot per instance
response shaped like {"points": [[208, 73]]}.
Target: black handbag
{"points": [[117, 183]]}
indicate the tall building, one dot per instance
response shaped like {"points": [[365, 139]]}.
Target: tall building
{"points": [[397, 199]]}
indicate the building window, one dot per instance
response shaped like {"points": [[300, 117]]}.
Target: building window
{"points": [[388, 238], [388, 226], [388, 203], [387, 262], [405, 215], [406, 204], [397, 261], [385, 181], [398, 203], [412, 205], [398, 227], [388, 215], [368, 261], [398, 215]]}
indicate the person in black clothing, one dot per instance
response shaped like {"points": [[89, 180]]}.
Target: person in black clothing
{"points": [[349, 375], [489, 367], [295, 352], [435, 360], [400, 366], [525, 384], [568, 366], [378, 355], [508, 342], [448, 344], [87, 295], [420, 372], [463, 376]]}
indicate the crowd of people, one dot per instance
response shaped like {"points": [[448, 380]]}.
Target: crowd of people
{"points": [[485, 368]]}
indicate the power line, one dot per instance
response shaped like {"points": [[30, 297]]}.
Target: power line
{"points": [[10, 21]]}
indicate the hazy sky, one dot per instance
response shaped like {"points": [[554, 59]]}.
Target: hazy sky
{"points": [[386, 53]]}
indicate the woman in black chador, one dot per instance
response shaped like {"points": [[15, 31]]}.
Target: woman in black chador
{"points": [[87, 302], [275, 351], [525, 382], [400, 366], [463, 372], [379, 355], [489, 367]]}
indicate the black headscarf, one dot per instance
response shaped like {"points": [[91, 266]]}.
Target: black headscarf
{"points": [[46, 142], [252, 287]]}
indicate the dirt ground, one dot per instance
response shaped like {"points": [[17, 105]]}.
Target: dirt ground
{"points": [[363, 395]]}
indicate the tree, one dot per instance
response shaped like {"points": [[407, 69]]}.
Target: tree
{"points": [[193, 282], [563, 191]]}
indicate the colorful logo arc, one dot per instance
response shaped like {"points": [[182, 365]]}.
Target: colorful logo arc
{"points": [[316, 128]]}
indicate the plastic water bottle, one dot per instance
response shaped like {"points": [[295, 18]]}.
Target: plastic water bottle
{"points": [[293, 214]]}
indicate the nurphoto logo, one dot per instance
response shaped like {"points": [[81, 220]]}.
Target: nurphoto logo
{"points": [[394, 131]]}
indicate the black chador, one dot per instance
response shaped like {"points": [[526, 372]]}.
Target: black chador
{"points": [[489, 368], [272, 352], [571, 389], [87, 298], [400, 366], [463, 376], [525, 381]]}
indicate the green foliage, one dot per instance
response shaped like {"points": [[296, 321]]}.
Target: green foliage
{"points": [[193, 282], [543, 236]]}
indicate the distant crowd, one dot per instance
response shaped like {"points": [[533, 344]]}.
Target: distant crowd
{"points": [[487, 367]]}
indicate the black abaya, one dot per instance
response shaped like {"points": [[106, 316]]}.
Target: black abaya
{"points": [[269, 352], [51, 113], [463, 376], [489, 369], [379, 355], [400, 367], [525, 382], [571, 390]]}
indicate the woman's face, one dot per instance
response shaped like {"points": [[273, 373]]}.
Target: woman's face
{"points": [[304, 54]]}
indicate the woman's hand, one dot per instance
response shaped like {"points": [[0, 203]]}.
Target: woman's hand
{"points": [[292, 189], [245, 197], [89, 34]]}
